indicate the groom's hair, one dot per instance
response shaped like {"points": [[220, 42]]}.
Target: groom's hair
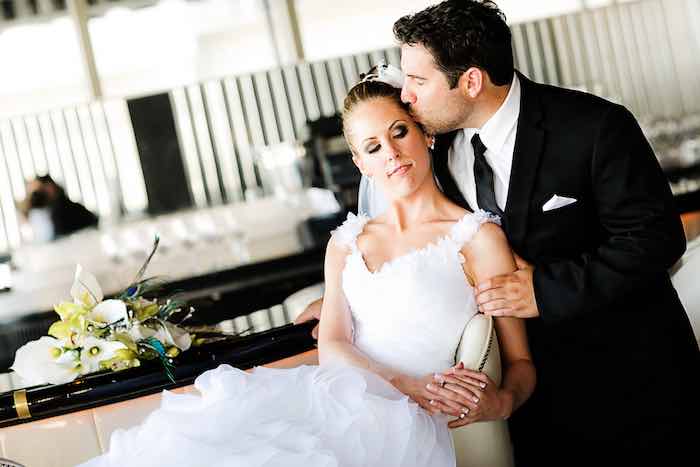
{"points": [[461, 34]]}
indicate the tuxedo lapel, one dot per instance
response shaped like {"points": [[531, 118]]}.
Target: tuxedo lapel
{"points": [[529, 143], [442, 171]]}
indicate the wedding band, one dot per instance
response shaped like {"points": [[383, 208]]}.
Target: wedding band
{"points": [[461, 416]]}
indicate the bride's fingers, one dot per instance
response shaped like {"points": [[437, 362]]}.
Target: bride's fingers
{"points": [[472, 382], [446, 404], [441, 407], [470, 393], [467, 387], [450, 397], [429, 406], [463, 372]]}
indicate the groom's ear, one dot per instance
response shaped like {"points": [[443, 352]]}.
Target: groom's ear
{"points": [[471, 83]]}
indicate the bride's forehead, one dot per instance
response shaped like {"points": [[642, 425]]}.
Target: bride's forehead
{"points": [[378, 114]]}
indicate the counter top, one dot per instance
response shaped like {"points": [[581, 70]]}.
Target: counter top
{"points": [[193, 244]]}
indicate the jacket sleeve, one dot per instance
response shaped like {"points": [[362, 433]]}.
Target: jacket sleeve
{"points": [[643, 233]]}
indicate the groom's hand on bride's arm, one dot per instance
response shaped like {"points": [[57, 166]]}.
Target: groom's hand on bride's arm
{"points": [[511, 294], [312, 311]]}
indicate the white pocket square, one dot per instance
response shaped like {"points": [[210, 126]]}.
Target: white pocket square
{"points": [[556, 202]]}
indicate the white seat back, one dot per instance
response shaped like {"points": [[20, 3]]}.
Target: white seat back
{"points": [[686, 280], [483, 444]]}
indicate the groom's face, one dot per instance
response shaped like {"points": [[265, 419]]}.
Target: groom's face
{"points": [[427, 91]]}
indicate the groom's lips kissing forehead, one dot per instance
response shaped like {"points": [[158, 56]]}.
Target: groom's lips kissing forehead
{"points": [[415, 115]]}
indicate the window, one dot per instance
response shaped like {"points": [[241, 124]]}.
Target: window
{"points": [[41, 67], [174, 43], [330, 29]]}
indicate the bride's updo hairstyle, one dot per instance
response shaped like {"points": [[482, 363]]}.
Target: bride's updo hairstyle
{"points": [[366, 91]]}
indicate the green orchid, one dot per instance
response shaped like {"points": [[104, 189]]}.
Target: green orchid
{"points": [[69, 331], [67, 310], [123, 359]]}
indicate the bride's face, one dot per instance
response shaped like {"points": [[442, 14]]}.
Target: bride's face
{"points": [[389, 146]]}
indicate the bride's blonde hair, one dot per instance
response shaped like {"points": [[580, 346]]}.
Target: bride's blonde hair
{"points": [[366, 91]]}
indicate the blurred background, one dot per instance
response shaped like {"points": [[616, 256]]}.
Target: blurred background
{"points": [[213, 124]]}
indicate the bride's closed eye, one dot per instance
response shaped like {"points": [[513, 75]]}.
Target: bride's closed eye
{"points": [[399, 132]]}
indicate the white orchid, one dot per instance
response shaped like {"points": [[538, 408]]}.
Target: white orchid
{"points": [[109, 311], [44, 361], [167, 333], [172, 335], [140, 331], [95, 351], [86, 291]]}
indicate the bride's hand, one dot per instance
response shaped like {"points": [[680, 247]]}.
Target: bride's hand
{"points": [[478, 395], [418, 390]]}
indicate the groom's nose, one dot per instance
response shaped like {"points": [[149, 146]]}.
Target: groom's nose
{"points": [[407, 96]]}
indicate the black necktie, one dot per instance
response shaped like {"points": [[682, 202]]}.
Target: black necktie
{"points": [[483, 177]]}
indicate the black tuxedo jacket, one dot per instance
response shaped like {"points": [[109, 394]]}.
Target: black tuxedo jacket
{"points": [[611, 323]]}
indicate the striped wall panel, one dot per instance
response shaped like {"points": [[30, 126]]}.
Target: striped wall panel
{"points": [[644, 54]]}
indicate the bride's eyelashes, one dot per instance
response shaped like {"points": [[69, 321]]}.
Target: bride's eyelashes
{"points": [[399, 132]]}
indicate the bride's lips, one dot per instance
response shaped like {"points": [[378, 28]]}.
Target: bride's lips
{"points": [[400, 170]]}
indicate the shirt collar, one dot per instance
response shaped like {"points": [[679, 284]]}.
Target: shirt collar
{"points": [[497, 128]]}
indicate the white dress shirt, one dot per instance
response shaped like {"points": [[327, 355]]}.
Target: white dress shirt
{"points": [[497, 134]]}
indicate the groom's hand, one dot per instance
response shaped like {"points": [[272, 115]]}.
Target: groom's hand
{"points": [[509, 294], [312, 311]]}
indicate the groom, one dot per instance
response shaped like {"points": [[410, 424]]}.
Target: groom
{"points": [[588, 210]]}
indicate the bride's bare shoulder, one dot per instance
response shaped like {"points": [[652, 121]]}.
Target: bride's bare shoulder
{"points": [[488, 237]]}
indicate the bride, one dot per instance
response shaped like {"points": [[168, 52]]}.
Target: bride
{"points": [[398, 295]]}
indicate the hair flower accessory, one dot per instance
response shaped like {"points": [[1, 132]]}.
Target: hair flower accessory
{"points": [[384, 73]]}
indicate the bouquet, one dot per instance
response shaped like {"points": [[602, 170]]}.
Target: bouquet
{"points": [[95, 334]]}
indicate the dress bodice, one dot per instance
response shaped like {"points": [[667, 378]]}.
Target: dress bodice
{"points": [[411, 313]]}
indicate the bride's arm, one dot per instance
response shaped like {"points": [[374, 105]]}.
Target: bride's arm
{"points": [[489, 255], [335, 334]]}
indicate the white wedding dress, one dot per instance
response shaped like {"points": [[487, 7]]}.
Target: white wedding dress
{"points": [[409, 315]]}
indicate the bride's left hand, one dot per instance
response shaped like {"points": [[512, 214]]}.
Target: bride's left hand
{"points": [[479, 395]]}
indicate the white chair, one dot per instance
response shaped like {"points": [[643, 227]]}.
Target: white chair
{"points": [[483, 444], [685, 279], [297, 302]]}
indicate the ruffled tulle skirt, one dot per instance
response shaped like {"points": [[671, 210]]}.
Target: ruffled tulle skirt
{"points": [[307, 416]]}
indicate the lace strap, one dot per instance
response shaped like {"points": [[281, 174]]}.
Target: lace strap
{"points": [[346, 234], [464, 229]]}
